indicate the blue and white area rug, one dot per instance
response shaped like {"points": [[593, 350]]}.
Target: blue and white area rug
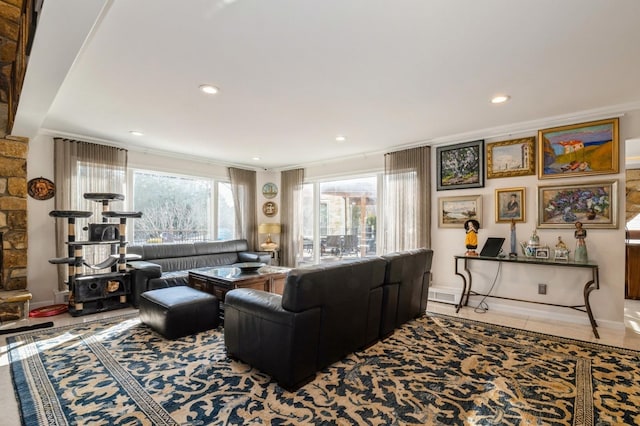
{"points": [[435, 370]]}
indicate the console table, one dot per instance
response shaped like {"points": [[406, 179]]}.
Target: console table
{"points": [[592, 284]]}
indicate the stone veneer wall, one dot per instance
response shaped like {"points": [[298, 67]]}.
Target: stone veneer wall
{"points": [[13, 211], [632, 193]]}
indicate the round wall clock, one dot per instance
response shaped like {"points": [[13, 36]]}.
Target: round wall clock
{"points": [[41, 188], [270, 209], [269, 190]]}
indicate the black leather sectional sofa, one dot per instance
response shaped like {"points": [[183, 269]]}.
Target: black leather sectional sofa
{"points": [[326, 312], [168, 265]]}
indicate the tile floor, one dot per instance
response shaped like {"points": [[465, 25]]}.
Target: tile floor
{"points": [[629, 337]]}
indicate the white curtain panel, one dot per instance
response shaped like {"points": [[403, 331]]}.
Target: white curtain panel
{"points": [[291, 247], [406, 200]]}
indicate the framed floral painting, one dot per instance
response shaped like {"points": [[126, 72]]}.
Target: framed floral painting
{"points": [[593, 204]]}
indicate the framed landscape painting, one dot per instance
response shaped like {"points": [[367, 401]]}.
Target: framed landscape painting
{"points": [[460, 166], [515, 157], [579, 150], [453, 212], [594, 204]]}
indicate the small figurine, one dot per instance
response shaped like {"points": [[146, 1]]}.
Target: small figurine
{"points": [[561, 251], [581, 247], [471, 240], [513, 252], [561, 245], [534, 240]]}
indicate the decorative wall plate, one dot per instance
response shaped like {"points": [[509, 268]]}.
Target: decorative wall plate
{"points": [[269, 190], [270, 209], [41, 188]]}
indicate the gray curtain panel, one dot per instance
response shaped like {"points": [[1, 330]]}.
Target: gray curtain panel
{"points": [[243, 188], [291, 183]]}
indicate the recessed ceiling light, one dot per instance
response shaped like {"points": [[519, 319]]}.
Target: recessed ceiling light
{"points": [[209, 89], [136, 133], [255, 158], [499, 99], [341, 138]]}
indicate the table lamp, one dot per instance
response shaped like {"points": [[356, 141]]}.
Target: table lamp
{"points": [[269, 228]]}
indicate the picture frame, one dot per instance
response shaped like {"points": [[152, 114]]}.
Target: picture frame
{"points": [[453, 212], [460, 166], [542, 253], [515, 157], [595, 204], [579, 150], [270, 209], [510, 205]]}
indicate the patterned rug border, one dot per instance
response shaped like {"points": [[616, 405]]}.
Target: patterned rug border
{"points": [[538, 334]]}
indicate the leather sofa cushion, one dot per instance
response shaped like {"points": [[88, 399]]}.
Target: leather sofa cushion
{"points": [[169, 279], [408, 270], [332, 283], [212, 247], [193, 262]]}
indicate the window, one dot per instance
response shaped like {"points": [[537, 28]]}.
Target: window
{"points": [[177, 208], [345, 215]]}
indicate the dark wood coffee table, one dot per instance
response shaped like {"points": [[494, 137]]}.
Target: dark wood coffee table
{"points": [[219, 280]]}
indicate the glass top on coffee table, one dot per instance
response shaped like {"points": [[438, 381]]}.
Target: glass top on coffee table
{"points": [[233, 273]]}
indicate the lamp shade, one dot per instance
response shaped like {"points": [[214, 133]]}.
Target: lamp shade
{"points": [[269, 228]]}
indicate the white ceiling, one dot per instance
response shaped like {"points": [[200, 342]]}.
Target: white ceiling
{"points": [[293, 74]]}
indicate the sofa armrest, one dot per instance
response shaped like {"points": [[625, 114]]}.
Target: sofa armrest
{"points": [[255, 256], [281, 343], [141, 272]]}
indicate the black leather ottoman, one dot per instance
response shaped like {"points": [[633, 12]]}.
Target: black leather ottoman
{"points": [[179, 311]]}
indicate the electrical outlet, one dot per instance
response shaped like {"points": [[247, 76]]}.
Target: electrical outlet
{"points": [[542, 288]]}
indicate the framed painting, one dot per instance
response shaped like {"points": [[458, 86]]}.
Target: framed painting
{"points": [[594, 204], [510, 205], [516, 157], [579, 150], [453, 212], [460, 166]]}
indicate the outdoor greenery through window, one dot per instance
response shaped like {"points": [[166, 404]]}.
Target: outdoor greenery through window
{"points": [[342, 222], [181, 208]]}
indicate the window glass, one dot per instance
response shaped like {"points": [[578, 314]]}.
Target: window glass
{"points": [[346, 219], [174, 208], [226, 221]]}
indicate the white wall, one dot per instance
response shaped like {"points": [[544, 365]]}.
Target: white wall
{"points": [[606, 246], [565, 285], [41, 275]]}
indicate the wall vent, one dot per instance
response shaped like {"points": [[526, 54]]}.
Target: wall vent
{"points": [[445, 295]]}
